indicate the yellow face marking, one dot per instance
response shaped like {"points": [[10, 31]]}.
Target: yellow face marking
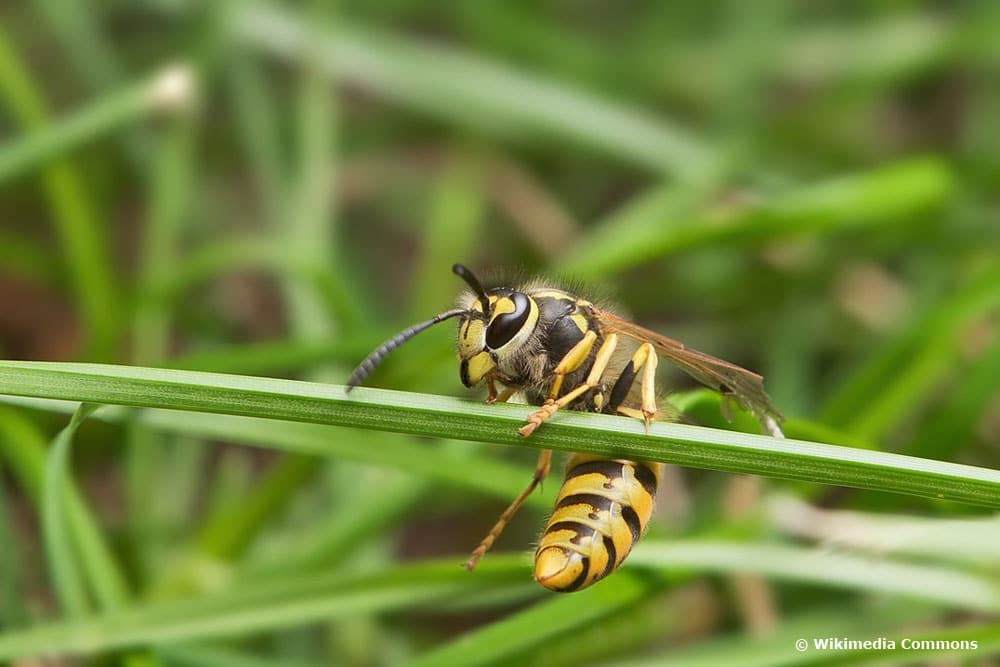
{"points": [[477, 305], [503, 306], [470, 338], [479, 366]]}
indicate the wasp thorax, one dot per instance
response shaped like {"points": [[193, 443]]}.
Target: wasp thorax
{"points": [[487, 341]]}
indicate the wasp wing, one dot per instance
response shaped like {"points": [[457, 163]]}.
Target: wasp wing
{"points": [[746, 387]]}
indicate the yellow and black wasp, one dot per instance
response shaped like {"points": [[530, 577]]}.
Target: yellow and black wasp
{"points": [[562, 351]]}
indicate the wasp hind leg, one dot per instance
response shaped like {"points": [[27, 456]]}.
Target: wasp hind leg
{"points": [[573, 360], [541, 471], [644, 359]]}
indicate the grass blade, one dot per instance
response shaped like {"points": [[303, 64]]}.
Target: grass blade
{"points": [[267, 606], [104, 116], [935, 583], [68, 580], [478, 93], [73, 215], [12, 612], [879, 196], [440, 416], [555, 617]]}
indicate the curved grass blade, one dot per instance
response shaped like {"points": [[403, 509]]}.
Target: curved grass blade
{"points": [[67, 579], [25, 453]]}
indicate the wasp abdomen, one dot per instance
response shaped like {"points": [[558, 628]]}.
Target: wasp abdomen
{"points": [[603, 508]]}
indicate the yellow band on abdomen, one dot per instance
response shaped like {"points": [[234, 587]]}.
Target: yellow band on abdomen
{"points": [[602, 509]]}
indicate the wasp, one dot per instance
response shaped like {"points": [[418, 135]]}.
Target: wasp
{"points": [[561, 351]]}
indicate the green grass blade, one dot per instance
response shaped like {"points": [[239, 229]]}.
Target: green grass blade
{"points": [[495, 478], [25, 453], [257, 121], [74, 216], [104, 116], [77, 25], [27, 259], [555, 617], [884, 195], [230, 532], [267, 606], [454, 219], [327, 544], [606, 246], [197, 655], [896, 534], [67, 579], [863, 623], [272, 357], [474, 92], [440, 416], [276, 604], [308, 230], [950, 430], [948, 586], [889, 384], [12, 611]]}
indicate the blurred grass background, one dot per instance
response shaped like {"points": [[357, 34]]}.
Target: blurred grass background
{"points": [[807, 189]]}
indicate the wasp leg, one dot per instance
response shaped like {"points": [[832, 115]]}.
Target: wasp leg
{"points": [[553, 404], [493, 396], [541, 471], [645, 359]]}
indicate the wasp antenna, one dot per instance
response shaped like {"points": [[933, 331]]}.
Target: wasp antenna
{"points": [[465, 274], [378, 354]]}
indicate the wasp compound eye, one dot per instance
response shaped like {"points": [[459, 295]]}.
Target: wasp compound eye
{"points": [[506, 325]]}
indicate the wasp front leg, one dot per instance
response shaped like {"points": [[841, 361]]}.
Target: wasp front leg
{"points": [[644, 359], [493, 396], [572, 361]]}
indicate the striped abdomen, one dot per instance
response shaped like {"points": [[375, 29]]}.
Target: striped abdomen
{"points": [[602, 509]]}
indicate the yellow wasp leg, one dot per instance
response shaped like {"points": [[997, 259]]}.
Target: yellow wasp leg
{"points": [[541, 470], [571, 361], [552, 405], [644, 358]]}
